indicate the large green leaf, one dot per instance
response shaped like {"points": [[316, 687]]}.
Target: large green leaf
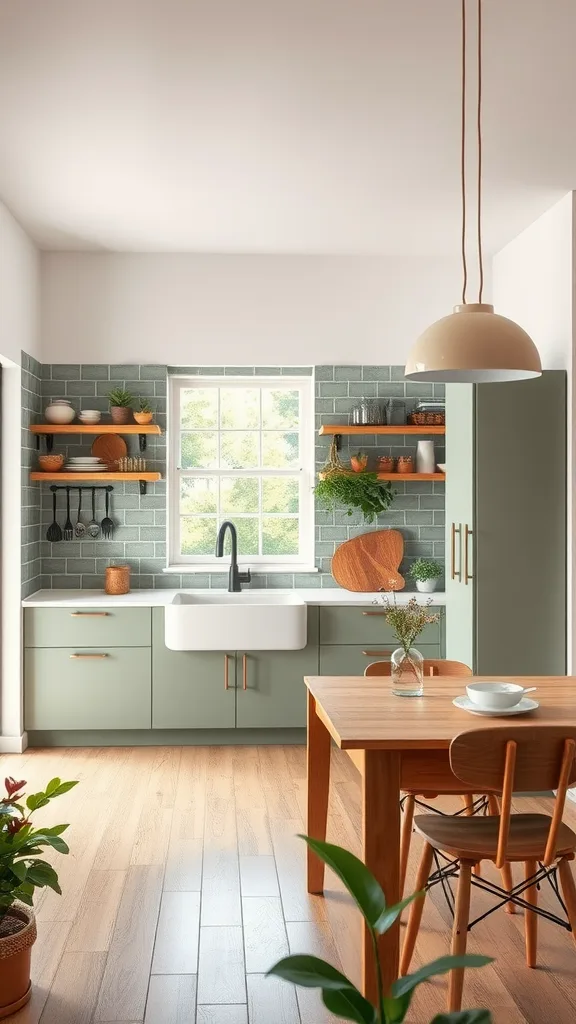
{"points": [[349, 1004], [440, 966], [54, 841], [64, 787], [359, 881], [396, 1007], [19, 869], [52, 786], [391, 914], [42, 874], [310, 972], [464, 1017]]}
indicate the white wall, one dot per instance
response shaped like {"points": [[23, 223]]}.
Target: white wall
{"points": [[263, 310], [19, 287], [534, 283]]}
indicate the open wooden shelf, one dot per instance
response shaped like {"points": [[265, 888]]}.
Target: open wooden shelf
{"points": [[95, 428], [370, 428], [77, 478], [405, 477]]}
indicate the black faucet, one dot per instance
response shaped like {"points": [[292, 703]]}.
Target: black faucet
{"points": [[235, 578]]}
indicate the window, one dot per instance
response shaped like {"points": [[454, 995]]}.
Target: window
{"points": [[242, 449]]}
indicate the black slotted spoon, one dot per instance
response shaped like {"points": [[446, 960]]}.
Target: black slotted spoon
{"points": [[54, 532], [68, 528]]}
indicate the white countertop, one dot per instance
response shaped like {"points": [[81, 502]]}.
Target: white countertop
{"points": [[159, 598]]}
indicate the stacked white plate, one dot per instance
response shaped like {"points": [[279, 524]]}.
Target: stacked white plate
{"points": [[86, 464]]}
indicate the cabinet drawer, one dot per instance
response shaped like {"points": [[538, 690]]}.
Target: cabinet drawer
{"points": [[350, 660], [363, 626], [87, 627], [76, 688]]}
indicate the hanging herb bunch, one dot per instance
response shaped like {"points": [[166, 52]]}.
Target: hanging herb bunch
{"points": [[338, 488]]}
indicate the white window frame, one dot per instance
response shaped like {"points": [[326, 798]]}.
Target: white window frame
{"points": [[304, 561]]}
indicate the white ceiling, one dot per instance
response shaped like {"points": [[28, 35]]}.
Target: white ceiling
{"points": [[283, 126]]}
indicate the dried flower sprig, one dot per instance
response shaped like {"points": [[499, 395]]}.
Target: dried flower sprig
{"points": [[408, 620]]}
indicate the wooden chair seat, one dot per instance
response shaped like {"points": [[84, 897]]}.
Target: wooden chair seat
{"points": [[476, 839]]}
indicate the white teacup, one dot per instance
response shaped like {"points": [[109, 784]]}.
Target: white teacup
{"points": [[495, 696]]}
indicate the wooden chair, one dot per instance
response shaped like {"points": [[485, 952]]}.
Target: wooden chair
{"points": [[432, 667], [519, 760]]}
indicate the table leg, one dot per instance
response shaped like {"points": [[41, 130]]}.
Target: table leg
{"points": [[381, 837], [318, 783]]}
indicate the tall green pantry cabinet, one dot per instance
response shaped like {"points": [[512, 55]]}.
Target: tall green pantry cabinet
{"points": [[506, 525]]}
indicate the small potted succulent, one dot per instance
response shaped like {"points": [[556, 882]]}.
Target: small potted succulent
{"points": [[143, 414], [120, 405], [22, 871], [358, 462], [339, 995], [426, 572]]}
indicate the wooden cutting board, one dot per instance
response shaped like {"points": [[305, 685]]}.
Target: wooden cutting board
{"points": [[109, 448], [370, 562]]}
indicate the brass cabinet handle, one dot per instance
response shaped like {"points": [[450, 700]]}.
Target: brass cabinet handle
{"points": [[82, 656], [244, 671], [467, 534], [373, 613], [377, 654], [95, 615], [455, 530], [226, 681]]}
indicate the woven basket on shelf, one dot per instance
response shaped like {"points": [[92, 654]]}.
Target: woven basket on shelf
{"points": [[427, 419], [117, 579]]}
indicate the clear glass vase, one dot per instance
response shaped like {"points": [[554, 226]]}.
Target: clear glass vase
{"points": [[407, 672]]}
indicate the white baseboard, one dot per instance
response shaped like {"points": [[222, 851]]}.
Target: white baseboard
{"points": [[13, 744]]}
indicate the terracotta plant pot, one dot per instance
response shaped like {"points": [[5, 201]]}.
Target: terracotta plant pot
{"points": [[120, 414], [143, 417], [15, 955]]}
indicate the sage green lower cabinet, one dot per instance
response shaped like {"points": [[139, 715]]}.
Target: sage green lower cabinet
{"points": [[351, 659], [72, 688], [189, 687]]}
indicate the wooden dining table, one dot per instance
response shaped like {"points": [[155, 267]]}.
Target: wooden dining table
{"points": [[398, 743]]}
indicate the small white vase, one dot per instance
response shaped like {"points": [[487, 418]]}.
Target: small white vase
{"points": [[426, 586], [425, 460]]}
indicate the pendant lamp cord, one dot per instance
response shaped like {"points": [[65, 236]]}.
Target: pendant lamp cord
{"points": [[479, 134], [463, 157]]}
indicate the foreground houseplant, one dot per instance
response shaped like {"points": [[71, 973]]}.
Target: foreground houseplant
{"points": [[426, 573], [407, 622], [120, 405], [22, 870], [339, 995]]}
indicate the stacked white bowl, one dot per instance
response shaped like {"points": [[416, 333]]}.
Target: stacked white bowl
{"points": [[89, 416]]}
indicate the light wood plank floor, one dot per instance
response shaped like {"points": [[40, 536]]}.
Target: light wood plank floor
{"points": [[186, 882]]}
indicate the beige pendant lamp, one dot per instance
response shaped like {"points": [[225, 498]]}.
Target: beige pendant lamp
{"points": [[473, 344]]}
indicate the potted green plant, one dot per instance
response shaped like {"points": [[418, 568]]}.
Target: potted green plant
{"points": [[22, 870], [407, 663], [339, 995], [144, 413], [120, 405], [350, 491], [426, 572]]}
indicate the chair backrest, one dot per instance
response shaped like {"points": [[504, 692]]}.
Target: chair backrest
{"points": [[432, 667], [518, 760]]}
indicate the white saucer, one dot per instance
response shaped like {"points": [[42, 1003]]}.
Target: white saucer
{"points": [[524, 705]]}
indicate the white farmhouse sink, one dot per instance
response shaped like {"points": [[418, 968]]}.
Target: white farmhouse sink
{"points": [[249, 621]]}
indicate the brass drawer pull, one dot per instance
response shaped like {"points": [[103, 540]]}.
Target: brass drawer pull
{"points": [[377, 654], [226, 680], [467, 534], [373, 613], [82, 656], [95, 615], [244, 671]]}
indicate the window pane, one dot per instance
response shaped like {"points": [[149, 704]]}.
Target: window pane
{"points": [[279, 451], [199, 494], [198, 535], [199, 450], [280, 409], [239, 494], [247, 530], [280, 494], [199, 407], [239, 408], [239, 450], [279, 536]]}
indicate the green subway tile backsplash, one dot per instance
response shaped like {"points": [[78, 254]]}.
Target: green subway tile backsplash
{"points": [[140, 536]]}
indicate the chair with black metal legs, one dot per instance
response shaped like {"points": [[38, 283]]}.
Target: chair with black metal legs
{"points": [[507, 760]]}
